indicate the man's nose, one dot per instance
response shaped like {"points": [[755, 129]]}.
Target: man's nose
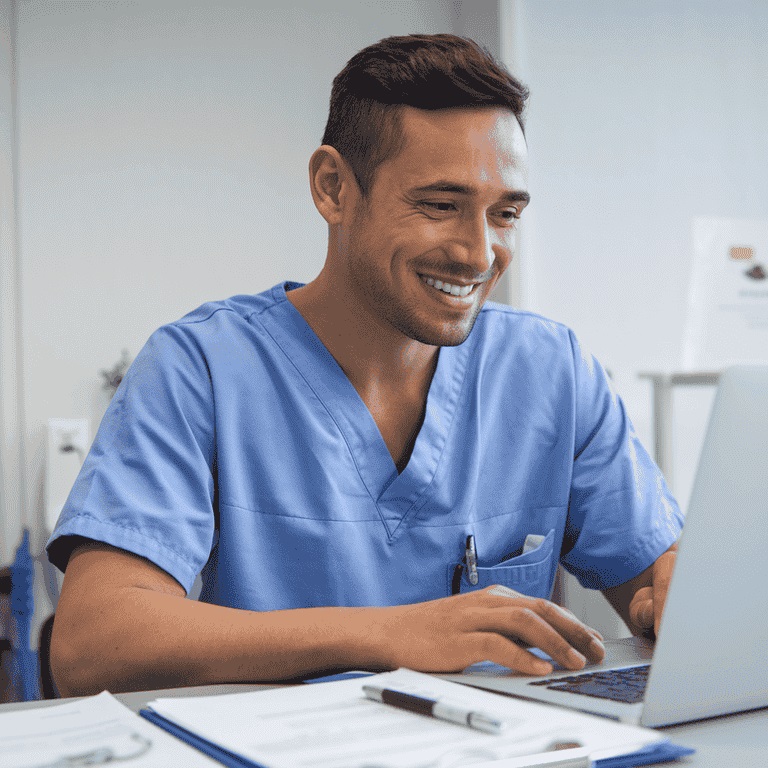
{"points": [[478, 245]]}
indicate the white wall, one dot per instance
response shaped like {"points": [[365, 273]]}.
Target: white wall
{"points": [[643, 115], [11, 421]]}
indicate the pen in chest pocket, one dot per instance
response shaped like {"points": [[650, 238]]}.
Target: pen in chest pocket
{"points": [[470, 555]]}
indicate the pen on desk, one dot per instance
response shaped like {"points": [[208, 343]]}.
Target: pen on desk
{"points": [[470, 554], [453, 713]]}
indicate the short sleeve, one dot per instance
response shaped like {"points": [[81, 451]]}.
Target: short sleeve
{"points": [[621, 514], [147, 484]]}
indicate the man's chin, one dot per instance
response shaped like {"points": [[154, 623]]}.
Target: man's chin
{"points": [[426, 326], [450, 335]]}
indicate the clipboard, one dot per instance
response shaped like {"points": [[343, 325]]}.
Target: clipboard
{"points": [[659, 751]]}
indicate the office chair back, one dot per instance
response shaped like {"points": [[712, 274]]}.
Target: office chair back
{"points": [[23, 661]]}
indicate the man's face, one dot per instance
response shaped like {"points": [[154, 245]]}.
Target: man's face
{"points": [[443, 210]]}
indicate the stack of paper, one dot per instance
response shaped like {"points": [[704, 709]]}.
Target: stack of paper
{"points": [[91, 731], [333, 725]]}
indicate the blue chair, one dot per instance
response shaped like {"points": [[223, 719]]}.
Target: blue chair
{"points": [[23, 668]]}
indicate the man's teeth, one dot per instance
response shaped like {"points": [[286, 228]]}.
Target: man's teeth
{"points": [[454, 290]]}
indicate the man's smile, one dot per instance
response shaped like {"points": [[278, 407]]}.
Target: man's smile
{"points": [[463, 293]]}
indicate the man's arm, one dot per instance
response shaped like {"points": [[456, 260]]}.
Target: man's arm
{"points": [[640, 601], [122, 623]]}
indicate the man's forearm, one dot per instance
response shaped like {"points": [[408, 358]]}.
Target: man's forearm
{"points": [[124, 624], [144, 639]]}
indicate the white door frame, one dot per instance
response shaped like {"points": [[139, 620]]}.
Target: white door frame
{"points": [[12, 497]]}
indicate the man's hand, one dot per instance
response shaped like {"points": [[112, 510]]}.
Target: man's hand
{"points": [[449, 634], [648, 602], [640, 601]]}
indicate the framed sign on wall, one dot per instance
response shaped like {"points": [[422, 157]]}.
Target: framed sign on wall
{"points": [[727, 317]]}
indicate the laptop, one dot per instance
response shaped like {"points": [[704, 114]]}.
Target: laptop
{"points": [[710, 657]]}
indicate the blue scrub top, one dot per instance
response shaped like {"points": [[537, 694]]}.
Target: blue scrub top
{"points": [[237, 446]]}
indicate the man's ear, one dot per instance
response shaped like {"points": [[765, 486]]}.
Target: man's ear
{"points": [[332, 183]]}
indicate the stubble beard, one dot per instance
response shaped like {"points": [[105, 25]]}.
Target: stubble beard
{"points": [[409, 320], [405, 318]]}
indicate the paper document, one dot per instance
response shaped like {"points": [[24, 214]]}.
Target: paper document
{"points": [[334, 725], [92, 731]]}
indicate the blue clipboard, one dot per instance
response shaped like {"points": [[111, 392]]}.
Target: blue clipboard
{"points": [[656, 753], [212, 750]]}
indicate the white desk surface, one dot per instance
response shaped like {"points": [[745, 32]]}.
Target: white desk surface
{"points": [[740, 741]]}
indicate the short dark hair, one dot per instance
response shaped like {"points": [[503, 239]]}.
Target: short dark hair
{"points": [[423, 71]]}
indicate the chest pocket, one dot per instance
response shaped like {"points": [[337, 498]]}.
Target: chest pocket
{"points": [[531, 573]]}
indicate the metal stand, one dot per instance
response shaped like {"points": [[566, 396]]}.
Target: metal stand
{"points": [[663, 384]]}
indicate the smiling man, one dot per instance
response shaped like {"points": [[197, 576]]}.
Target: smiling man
{"points": [[379, 468]]}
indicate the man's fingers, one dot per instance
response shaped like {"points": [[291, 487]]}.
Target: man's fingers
{"points": [[543, 625], [662, 576], [647, 605], [501, 650], [641, 609], [534, 631], [644, 613], [578, 634], [503, 591]]}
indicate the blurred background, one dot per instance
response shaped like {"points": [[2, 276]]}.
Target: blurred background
{"points": [[153, 156]]}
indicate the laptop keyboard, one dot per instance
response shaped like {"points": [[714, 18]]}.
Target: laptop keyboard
{"points": [[627, 685]]}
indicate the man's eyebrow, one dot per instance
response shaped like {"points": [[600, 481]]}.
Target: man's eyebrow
{"points": [[461, 189]]}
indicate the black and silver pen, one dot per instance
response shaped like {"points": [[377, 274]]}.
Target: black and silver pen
{"points": [[470, 556], [441, 710]]}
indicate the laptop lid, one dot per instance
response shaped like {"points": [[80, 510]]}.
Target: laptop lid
{"points": [[711, 655]]}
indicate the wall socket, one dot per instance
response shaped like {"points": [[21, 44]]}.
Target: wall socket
{"points": [[68, 443]]}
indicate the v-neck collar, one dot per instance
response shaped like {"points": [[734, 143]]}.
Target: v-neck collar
{"points": [[394, 494]]}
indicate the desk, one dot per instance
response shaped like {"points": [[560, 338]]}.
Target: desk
{"points": [[735, 740]]}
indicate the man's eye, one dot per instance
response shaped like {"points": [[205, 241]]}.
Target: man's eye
{"points": [[439, 205], [509, 215]]}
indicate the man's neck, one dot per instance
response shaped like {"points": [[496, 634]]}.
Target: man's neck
{"points": [[378, 360]]}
